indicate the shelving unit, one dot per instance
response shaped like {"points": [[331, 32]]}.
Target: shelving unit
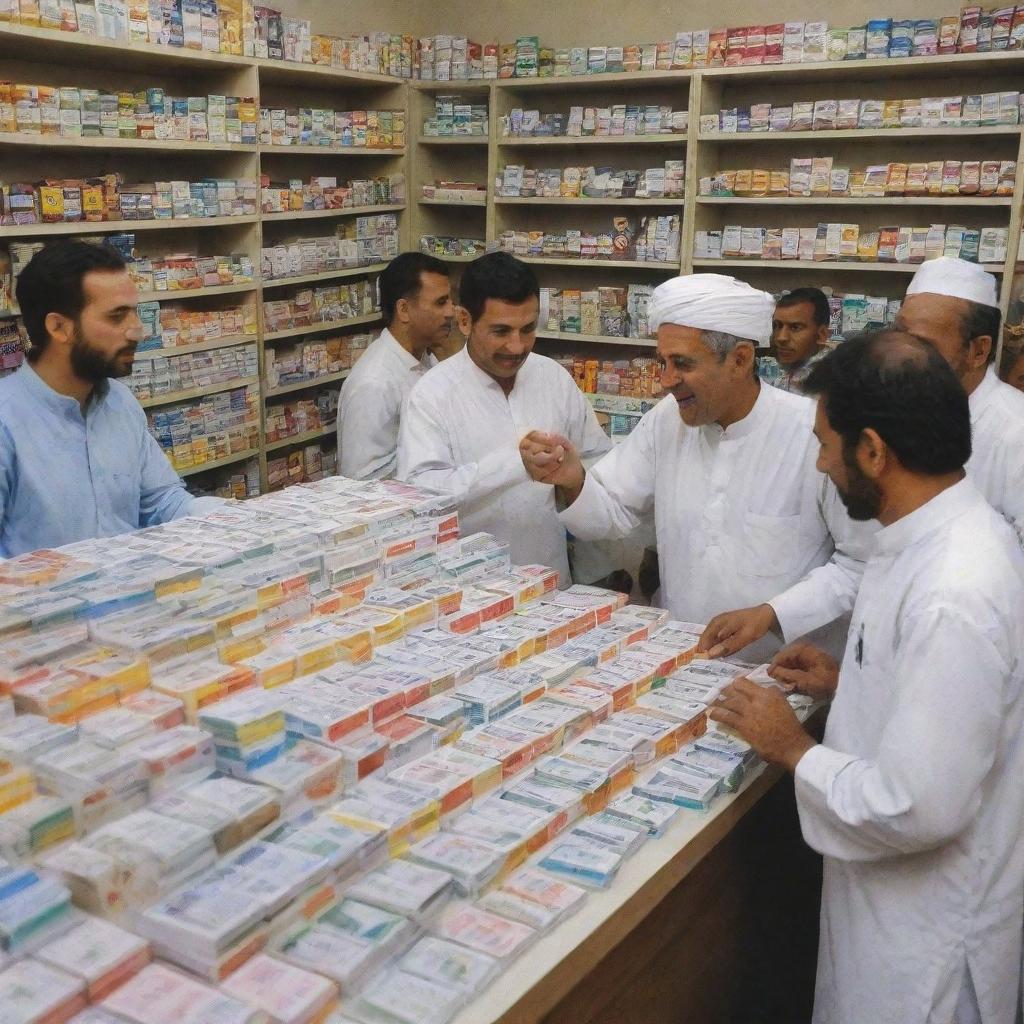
{"points": [[183, 396], [302, 385], [39, 55], [304, 438]]}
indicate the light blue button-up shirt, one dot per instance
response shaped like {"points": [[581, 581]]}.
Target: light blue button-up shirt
{"points": [[65, 476]]}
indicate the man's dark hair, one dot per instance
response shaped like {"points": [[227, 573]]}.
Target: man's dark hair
{"points": [[498, 275], [815, 296], [902, 388], [52, 283], [400, 279], [978, 320]]}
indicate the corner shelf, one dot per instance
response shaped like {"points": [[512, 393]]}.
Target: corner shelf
{"points": [[302, 385]]}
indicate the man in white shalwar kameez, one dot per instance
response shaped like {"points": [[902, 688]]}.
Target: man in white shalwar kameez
{"points": [[953, 305], [463, 421], [915, 795], [726, 463]]}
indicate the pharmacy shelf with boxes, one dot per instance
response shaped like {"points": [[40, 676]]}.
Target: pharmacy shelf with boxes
{"points": [[261, 205], [604, 167], [319, 755]]}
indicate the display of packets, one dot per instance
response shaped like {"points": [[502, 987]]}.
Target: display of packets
{"points": [[414, 890], [100, 953], [34, 991], [335, 129], [285, 993], [608, 311], [818, 176], [443, 245], [456, 115], [31, 908], [583, 122], [483, 932], [653, 239], [325, 193], [358, 241], [310, 891], [70, 200], [399, 996], [515, 181], [998, 108], [153, 378], [836, 242], [162, 995]]}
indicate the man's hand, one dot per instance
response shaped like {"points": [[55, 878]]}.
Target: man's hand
{"points": [[732, 631], [762, 717], [807, 669], [553, 459]]}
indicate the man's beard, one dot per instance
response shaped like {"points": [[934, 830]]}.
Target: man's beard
{"points": [[93, 366], [862, 497]]}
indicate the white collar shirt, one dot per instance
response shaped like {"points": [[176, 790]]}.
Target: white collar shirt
{"points": [[370, 406], [914, 797], [741, 513], [460, 435]]}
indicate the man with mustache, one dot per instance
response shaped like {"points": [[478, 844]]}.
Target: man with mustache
{"points": [[416, 303], [800, 333], [77, 459], [914, 796], [725, 462], [462, 423]]}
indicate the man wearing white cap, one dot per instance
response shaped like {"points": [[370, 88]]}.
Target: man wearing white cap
{"points": [[726, 463], [954, 305]]}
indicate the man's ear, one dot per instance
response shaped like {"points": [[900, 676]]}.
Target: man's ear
{"points": [[980, 349], [743, 359], [872, 453], [60, 328], [402, 310], [462, 318]]}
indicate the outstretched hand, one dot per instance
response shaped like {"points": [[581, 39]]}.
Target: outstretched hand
{"points": [[552, 459]]}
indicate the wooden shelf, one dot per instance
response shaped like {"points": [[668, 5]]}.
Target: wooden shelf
{"points": [[228, 460], [197, 293], [554, 261], [596, 339], [203, 346], [85, 227], [452, 140], [24, 42], [302, 385], [606, 78], [863, 134], [852, 201], [289, 72], [303, 438], [585, 201], [345, 211], [184, 396], [842, 265], [330, 151], [480, 85], [459, 258], [592, 140], [476, 204], [324, 275], [334, 325], [91, 142]]}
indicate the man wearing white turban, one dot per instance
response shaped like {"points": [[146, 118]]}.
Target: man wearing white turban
{"points": [[728, 466], [953, 305]]}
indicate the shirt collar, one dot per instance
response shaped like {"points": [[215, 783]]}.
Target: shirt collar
{"points": [[394, 346], [63, 405], [751, 422], [931, 516], [981, 395], [485, 379]]}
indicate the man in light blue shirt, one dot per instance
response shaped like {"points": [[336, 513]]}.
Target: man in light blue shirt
{"points": [[77, 459]]}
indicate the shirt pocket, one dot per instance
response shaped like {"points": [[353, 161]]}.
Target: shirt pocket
{"points": [[771, 545]]}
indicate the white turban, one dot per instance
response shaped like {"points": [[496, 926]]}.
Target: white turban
{"points": [[957, 279], [714, 302]]}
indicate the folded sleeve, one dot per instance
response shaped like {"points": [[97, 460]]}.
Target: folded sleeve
{"points": [[618, 492]]}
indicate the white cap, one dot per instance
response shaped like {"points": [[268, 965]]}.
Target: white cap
{"points": [[714, 302], [956, 278]]}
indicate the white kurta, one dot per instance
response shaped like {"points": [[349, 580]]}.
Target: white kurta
{"points": [[915, 796], [370, 407], [997, 436], [460, 435], [741, 514]]}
